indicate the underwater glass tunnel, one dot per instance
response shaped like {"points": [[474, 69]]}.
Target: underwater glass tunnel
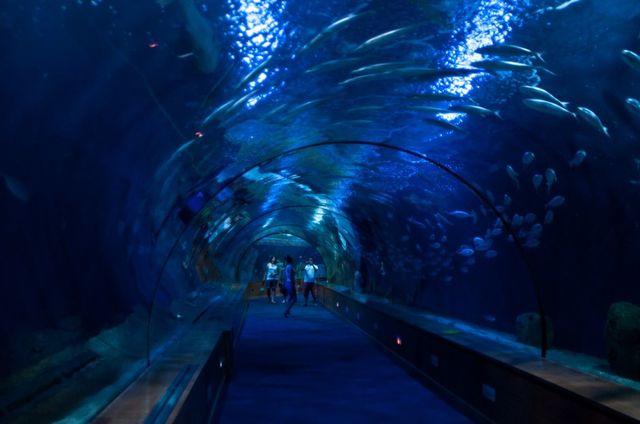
{"points": [[473, 162]]}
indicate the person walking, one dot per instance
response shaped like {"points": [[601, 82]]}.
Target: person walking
{"points": [[271, 279], [310, 281], [290, 285]]}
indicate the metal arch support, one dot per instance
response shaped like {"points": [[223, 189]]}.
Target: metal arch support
{"points": [[421, 156]]}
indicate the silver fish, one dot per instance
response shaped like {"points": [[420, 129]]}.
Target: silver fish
{"points": [[548, 217], [275, 111], [351, 122], [442, 124], [592, 119], [332, 65], [578, 158], [463, 214], [331, 29], [508, 50], [566, 4], [379, 67], [527, 158], [508, 66], [306, 105], [551, 177], [383, 38], [465, 251], [475, 110], [548, 108], [536, 180], [423, 73], [631, 58], [513, 175], [365, 78], [633, 106], [239, 103], [540, 93], [555, 202], [251, 74], [429, 109], [517, 220]]}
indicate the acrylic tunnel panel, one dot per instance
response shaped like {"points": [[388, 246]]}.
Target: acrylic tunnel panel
{"points": [[418, 234], [155, 154]]}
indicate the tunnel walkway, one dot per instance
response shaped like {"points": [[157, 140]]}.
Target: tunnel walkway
{"points": [[316, 368]]}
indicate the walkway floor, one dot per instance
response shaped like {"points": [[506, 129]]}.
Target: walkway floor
{"points": [[316, 368]]}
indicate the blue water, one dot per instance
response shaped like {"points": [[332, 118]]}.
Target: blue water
{"points": [[148, 151]]}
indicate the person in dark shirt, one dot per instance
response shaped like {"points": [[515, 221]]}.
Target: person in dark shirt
{"points": [[290, 285]]}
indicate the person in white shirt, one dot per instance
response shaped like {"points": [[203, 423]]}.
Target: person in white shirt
{"points": [[309, 280], [271, 279]]}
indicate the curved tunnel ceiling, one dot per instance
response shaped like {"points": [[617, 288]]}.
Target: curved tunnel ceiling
{"points": [[222, 123]]}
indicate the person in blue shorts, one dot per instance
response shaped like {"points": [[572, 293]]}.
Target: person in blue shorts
{"points": [[289, 285]]}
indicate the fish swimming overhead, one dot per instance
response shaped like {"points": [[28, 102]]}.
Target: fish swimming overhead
{"points": [[443, 124], [578, 158], [537, 181], [507, 66], [548, 108], [513, 175], [527, 158], [462, 214], [633, 105], [385, 37], [379, 67], [252, 73], [631, 58], [219, 111], [429, 109], [566, 4], [465, 251], [551, 177], [540, 93], [555, 202], [332, 65], [366, 78], [422, 73], [592, 119], [548, 217], [508, 50], [331, 29], [475, 110], [517, 220]]}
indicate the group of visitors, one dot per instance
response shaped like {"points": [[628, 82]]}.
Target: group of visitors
{"points": [[288, 285]]}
